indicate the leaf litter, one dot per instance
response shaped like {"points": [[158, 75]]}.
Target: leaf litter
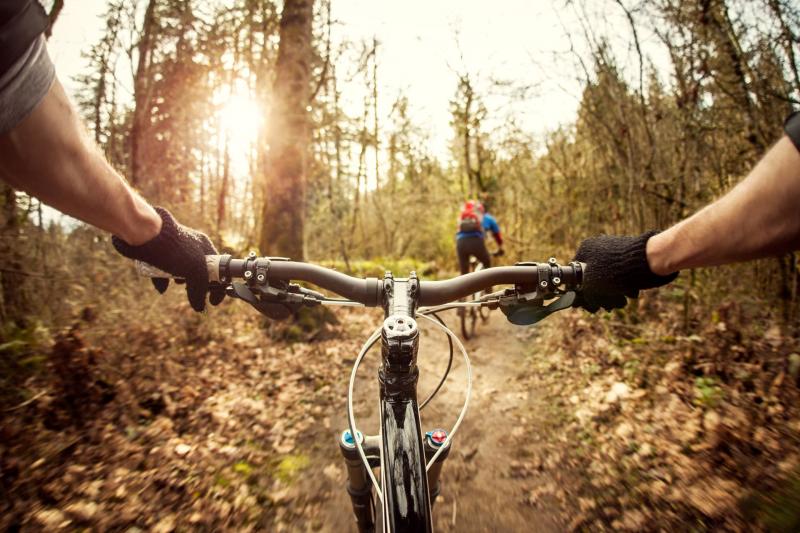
{"points": [[184, 425]]}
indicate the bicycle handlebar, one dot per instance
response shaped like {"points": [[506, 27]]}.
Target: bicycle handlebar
{"points": [[442, 292], [368, 291]]}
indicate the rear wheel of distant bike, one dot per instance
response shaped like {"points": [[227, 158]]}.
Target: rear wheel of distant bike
{"points": [[469, 315], [483, 312], [469, 318]]}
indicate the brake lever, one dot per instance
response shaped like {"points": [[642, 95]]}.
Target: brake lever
{"points": [[275, 303], [274, 309], [531, 312], [307, 293]]}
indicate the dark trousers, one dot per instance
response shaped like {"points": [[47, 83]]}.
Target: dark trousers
{"points": [[472, 246]]}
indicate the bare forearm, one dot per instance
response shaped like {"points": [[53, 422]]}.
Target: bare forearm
{"points": [[49, 156], [759, 217]]}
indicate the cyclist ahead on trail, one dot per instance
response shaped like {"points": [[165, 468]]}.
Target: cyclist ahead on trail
{"points": [[473, 223]]}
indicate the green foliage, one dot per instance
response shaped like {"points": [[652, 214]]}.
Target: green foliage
{"points": [[290, 466], [707, 392], [22, 355], [243, 468], [794, 365], [778, 510], [591, 370], [631, 369]]}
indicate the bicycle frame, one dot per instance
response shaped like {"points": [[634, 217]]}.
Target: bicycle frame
{"points": [[406, 495]]}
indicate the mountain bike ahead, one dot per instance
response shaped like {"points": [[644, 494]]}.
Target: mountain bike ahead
{"points": [[409, 460], [469, 315]]}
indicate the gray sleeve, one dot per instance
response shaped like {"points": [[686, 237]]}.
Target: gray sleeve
{"points": [[24, 85]]}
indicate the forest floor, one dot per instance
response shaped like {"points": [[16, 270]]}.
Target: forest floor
{"points": [[202, 423]]}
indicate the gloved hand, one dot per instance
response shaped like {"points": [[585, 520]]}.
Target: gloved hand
{"points": [[616, 268], [181, 252]]}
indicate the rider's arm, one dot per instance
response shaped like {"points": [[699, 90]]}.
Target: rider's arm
{"points": [[498, 238], [757, 218], [44, 149], [50, 156], [490, 224]]}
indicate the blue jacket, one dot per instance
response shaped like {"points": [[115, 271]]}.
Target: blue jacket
{"points": [[489, 224]]}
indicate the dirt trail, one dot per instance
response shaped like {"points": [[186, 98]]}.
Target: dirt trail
{"points": [[188, 427], [483, 488]]}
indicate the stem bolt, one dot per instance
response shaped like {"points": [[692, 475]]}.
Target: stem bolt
{"points": [[543, 284], [248, 274], [552, 261], [261, 278], [556, 281], [251, 255]]}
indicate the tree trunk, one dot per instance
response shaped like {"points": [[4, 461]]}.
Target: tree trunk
{"points": [[55, 11], [467, 141], [375, 111], [728, 43], [787, 41], [223, 190], [141, 92], [285, 173]]}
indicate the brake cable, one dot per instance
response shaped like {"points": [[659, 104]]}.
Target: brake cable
{"points": [[351, 420], [468, 368], [447, 370]]}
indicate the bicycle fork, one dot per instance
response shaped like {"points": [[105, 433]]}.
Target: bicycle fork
{"points": [[359, 486]]}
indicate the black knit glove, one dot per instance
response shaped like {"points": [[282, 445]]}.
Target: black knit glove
{"points": [[616, 268], [181, 252]]}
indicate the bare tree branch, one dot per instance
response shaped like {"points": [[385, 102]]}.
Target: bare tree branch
{"points": [[55, 11]]}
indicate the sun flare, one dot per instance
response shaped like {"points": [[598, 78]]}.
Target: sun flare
{"points": [[241, 118]]}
